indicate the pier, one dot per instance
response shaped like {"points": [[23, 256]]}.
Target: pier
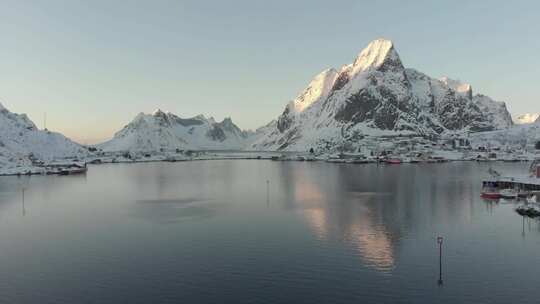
{"points": [[530, 183]]}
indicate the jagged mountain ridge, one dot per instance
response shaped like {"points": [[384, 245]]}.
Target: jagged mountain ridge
{"points": [[167, 131], [377, 95], [21, 140]]}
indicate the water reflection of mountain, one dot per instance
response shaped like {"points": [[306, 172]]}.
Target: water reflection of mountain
{"points": [[372, 208]]}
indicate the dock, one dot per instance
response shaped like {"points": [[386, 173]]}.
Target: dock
{"points": [[529, 182], [525, 183]]}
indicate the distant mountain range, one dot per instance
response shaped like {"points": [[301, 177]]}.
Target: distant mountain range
{"points": [[166, 131], [373, 96], [377, 95]]}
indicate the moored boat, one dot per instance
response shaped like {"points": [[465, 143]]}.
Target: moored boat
{"points": [[491, 194], [336, 160], [528, 210], [360, 161], [73, 170], [508, 193], [523, 194], [490, 191], [393, 161]]}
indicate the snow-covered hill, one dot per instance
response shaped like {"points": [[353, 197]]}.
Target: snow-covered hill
{"points": [[521, 136], [527, 118], [21, 141], [166, 131], [377, 95]]}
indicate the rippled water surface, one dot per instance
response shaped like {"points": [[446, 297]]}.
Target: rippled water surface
{"points": [[264, 232]]}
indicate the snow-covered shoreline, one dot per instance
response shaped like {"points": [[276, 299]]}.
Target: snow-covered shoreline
{"points": [[413, 157]]}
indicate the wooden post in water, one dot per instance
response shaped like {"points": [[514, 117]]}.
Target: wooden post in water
{"points": [[440, 241]]}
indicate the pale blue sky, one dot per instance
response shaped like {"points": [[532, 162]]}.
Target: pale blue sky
{"points": [[93, 65]]}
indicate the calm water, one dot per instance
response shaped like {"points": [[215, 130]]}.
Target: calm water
{"points": [[216, 232]]}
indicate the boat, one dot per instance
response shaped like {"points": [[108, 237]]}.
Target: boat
{"points": [[490, 191], [336, 160], [282, 157], [508, 193], [393, 161], [416, 160], [491, 194], [431, 160], [511, 160], [523, 194], [532, 199], [360, 161], [528, 210], [440, 159], [73, 170]]}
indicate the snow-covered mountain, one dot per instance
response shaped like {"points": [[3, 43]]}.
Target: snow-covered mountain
{"points": [[21, 141], [527, 118], [166, 131], [377, 95]]}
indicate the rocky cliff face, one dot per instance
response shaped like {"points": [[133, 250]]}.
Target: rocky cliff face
{"points": [[166, 131], [377, 95]]}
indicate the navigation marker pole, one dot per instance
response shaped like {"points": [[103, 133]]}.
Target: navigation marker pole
{"points": [[523, 226], [23, 209], [440, 241], [267, 193]]}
